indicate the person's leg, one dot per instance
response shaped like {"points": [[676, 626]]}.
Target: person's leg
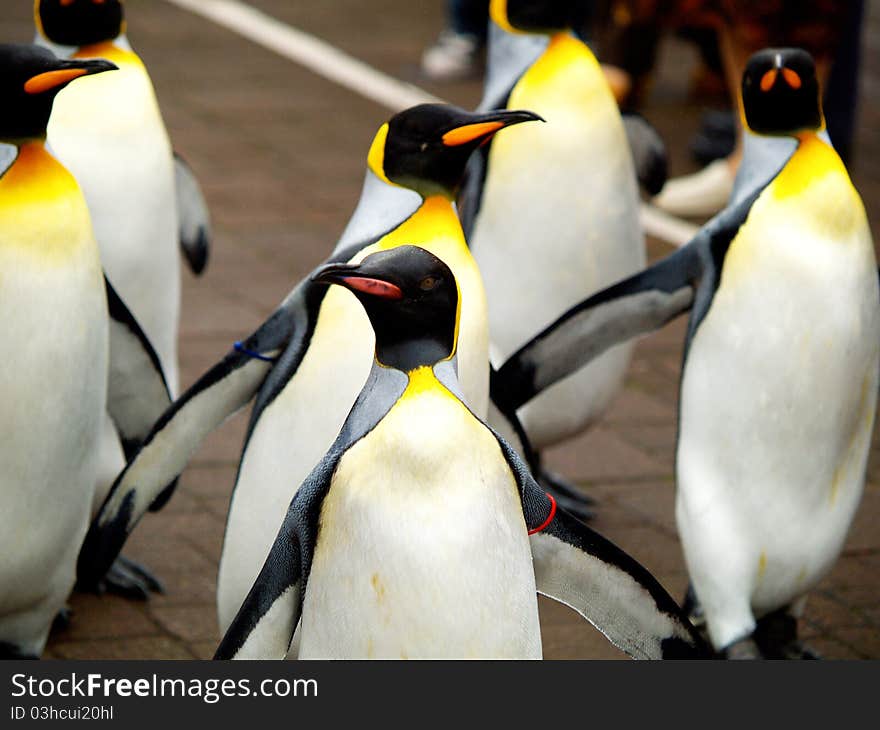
{"points": [[457, 52], [469, 17], [841, 94]]}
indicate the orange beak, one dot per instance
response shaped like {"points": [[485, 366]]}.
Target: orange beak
{"points": [[52, 79]]}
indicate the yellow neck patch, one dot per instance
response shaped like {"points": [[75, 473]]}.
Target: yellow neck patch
{"points": [[435, 219], [422, 380], [111, 52], [812, 161], [568, 64], [35, 178], [42, 210]]}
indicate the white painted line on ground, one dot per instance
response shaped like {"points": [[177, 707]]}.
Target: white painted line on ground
{"points": [[334, 65], [313, 53]]}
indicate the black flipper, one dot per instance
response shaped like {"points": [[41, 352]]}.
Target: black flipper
{"points": [[634, 306], [687, 278], [578, 567], [137, 393], [129, 579], [194, 217], [648, 153], [264, 625], [10, 652], [511, 429], [179, 432]]}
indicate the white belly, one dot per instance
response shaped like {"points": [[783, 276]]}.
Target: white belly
{"points": [[422, 550], [301, 424], [53, 390], [108, 131], [777, 409], [558, 221]]}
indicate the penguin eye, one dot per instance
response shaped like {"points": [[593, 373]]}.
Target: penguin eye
{"points": [[428, 283]]}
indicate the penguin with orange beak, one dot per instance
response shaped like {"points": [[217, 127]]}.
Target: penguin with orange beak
{"points": [[308, 362], [67, 360], [780, 371], [421, 533]]}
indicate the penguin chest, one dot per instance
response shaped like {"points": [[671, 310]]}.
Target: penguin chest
{"points": [[559, 212], [108, 131], [53, 381], [299, 426], [779, 391], [422, 548]]}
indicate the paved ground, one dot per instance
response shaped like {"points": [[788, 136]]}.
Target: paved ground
{"points": [[280, 153]]}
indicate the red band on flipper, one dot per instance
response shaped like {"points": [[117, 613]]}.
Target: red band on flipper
{"points": [[375, 287], [545, 523]]}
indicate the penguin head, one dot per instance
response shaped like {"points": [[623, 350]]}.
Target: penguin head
{"points": [[533, 16], [412, 300], [30, 77], [79, 22], [780, 92], [426, 148]]}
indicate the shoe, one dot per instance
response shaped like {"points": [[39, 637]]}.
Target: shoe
{"points": [[453, 56], [699, 195]]}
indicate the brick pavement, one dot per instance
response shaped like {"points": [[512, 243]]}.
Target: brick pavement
{"points": [[280, 155]]}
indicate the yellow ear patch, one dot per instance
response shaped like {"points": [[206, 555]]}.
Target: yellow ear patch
{"points": [[470, 132], [52, 80], [814, 159], [376, 155], [498, 13]]}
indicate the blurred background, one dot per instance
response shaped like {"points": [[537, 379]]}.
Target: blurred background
{"points": [[280, 153]]}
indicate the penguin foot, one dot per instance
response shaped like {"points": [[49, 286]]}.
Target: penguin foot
{"points": [[567, 496], [129, 579], [693, 609], [798, 650], [743, 649], [776, 635], [61, 622], [10, 652]]}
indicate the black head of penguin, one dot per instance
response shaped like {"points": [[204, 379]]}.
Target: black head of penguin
{"points": [[534, 16], [30, 78], [79, 22], [780, 92], [426, 147], [411, 298]]}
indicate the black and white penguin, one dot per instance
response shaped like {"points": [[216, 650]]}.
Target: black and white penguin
{"points": [[65, 364], [309, 361], [780, 373], [410, 538], [551, 211]]}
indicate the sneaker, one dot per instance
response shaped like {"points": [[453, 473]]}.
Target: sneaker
{"points": [[453, 56], [699, 195]]}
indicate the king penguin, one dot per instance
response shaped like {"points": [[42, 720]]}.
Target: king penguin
{"points": [[551, 211], [143, 201], [309, 361], [58, 379], [780, 373], [410, 538], [109, 133]]}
